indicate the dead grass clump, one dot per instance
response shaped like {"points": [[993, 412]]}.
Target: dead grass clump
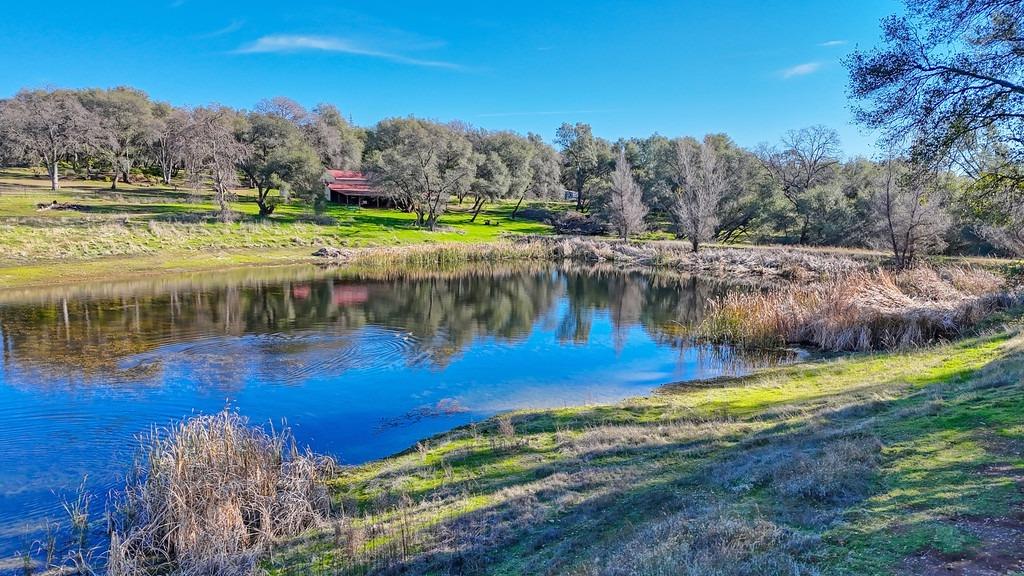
{"points": [[736, 262], [211, 495], [840, 471], [716, 543], [860, 310]]}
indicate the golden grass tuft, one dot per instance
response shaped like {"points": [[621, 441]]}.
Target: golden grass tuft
{"points": [[212, 495], [862, 310]]}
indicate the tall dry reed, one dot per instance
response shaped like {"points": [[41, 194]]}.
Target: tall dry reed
{"points": [[211, 494], [863, 310]]}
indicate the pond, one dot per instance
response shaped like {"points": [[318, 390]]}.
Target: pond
{"points": [[360, 364]]}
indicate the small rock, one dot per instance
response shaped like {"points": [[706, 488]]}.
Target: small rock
{"points": [[328, 252]]}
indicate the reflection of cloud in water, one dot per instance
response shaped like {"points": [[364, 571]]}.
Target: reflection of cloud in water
{"points": [[226, 363], [583, 385]]}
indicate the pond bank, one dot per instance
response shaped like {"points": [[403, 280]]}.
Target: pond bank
{"points": [[863, 464], [736, 262]]}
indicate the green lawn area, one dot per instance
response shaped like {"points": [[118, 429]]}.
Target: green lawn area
{"points": [[140, 229], [869, 464]]}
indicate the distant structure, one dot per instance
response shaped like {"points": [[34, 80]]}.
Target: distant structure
{"points": [[352, 188]]}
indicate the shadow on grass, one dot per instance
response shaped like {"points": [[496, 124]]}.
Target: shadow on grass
{"points": [[560, 501]]}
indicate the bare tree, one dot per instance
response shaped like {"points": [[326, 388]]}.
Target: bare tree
{"points": [[626, 209], [45, 127], [911, 210], [807, 159], [210, 150], [169, 138], [701, 183]]}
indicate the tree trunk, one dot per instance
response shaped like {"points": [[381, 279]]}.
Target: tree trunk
{"points": [[54, 177], [266, 208], [113, 182], [804, 230], [695, 243], [516, 209], [222, 196], [476, 209]]}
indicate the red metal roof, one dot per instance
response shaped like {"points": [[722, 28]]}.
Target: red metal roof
{"points": [[346, 175], [350, 183], [351, 189]]}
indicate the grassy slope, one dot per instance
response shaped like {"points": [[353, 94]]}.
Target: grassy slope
{"points": [[140, 229], [848, 466]]}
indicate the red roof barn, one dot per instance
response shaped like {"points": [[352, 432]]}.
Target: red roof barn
{"points": [[350, 187]]}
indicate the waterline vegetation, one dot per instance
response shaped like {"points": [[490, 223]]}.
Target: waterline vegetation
{"points": [[862, 310], [862, 464], [211, 495], [793, 470]]}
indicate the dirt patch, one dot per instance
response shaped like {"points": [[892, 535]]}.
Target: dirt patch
{"points": [[1000, 552]]}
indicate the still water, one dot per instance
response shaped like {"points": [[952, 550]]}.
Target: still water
{"points": [[360, 365]]}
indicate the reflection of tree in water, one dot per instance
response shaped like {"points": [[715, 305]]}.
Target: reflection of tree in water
{"points": [[659, 303], [287, 329], [431, 318]]}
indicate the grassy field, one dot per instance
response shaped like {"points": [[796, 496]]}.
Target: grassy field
{"points": [[143, 229], [140, 229], [893, 463]]}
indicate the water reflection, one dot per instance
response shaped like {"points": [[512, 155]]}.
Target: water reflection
{"points": [[361, 363], [289, 328]]}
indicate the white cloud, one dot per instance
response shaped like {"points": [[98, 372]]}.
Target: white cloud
{"points": [[234, 26], [801, 69], [284, 43], [831, 43]]}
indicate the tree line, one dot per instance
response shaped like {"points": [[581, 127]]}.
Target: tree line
{"points": [[945, 90]]}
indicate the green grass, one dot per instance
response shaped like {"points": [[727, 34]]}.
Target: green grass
{"points": [[899, 449], [146, 229]]}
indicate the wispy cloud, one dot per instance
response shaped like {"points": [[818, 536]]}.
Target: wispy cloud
{"points": [[831, 43], [285, 43], [801, 69], [234, 26]]}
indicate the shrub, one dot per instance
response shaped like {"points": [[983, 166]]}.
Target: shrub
{"points": [[211, 494]]}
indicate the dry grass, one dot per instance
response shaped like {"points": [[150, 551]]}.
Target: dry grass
{"points": [[715, 543], [753, 476], [214, 494], [861, 310], [734, 262], [447, 254]]}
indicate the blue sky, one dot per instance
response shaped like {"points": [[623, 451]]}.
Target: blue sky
{"points": [[752, 69]]}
